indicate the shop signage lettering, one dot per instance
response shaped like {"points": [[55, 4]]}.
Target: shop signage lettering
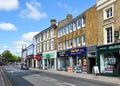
{"points": [[77, 51], [62, 53], [114, 46], [102, 48]]}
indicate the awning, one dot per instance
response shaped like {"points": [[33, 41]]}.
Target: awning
{"points": [[37, 57]]}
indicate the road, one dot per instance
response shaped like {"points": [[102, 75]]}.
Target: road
{"points": [[37, 78]]}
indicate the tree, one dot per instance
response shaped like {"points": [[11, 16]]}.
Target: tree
{"points": [[9, 57]]}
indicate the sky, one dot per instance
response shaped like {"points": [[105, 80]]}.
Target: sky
{"points": [[20, 20]]}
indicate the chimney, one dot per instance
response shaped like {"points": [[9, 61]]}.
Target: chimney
{"points": [[53, 21], [69, 17]]}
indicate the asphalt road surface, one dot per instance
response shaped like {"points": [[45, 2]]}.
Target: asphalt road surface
{"points": [[19, 77]]}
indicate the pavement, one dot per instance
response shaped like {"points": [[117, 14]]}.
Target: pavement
{"points": [[106, 79]]}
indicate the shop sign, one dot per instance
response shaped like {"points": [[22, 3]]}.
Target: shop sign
{"points": [[51, 55], [78, 51], [116, 34], [114, 46], [103, 48], [62, 53]]}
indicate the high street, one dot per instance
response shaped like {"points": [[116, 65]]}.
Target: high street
{"points": [[30, 77]]}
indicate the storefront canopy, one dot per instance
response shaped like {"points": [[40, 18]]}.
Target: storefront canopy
{"points": [[37, 57]]}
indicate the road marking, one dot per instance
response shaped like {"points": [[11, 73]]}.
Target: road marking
{"points": [[69, 84], [49, 79], [64, 84]]}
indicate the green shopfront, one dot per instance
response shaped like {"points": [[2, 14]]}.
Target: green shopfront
{"points": [[49, 60], [108, 59]]}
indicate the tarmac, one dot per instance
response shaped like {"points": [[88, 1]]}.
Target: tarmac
{"points": [[114, 80], [106, 79]]}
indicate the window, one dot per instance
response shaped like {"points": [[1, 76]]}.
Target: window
{"points": [[108, 12], [64, 45], [44, 36], [61, 33], [59, 46], [83, 40], [52, 32], [67, 44], [40, 38], [74, 26], [63, 29], [70, 43], [48, 43], [58, 33], [48, 34], [44, 45], [74, 40], [83, 21], [37, 49], [67, 29], [52, 44], [40, 47], [78, 41], [70, 26], [109, 35], [78, 23], [37, 39]]}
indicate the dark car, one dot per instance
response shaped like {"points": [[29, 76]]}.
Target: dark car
{"points": [[24, 67]]}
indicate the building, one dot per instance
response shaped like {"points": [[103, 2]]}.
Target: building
{"points": [[108, 50], [30, 56], [24, 54], [38, 49], [76, 40]]}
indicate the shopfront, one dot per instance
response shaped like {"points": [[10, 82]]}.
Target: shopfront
{"points": [[38, 60], [91, 57], [49, 60], [108, 58], [62, 60], [78, 59]]}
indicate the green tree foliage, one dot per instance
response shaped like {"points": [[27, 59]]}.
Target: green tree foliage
{"points": [[9, 57]]}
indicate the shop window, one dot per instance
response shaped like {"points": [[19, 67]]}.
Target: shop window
{"points": [[109, 63]]}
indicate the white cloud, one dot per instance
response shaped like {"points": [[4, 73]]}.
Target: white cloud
{"points": [[67, 7], [29, 36], [7, 26], [25, 40], [9, 5], [32, 11]]}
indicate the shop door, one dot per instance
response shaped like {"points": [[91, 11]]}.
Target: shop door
{"points": [[91, 64]]}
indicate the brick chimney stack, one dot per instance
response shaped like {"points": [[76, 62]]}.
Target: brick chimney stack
{"points": [[53, 21]]}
